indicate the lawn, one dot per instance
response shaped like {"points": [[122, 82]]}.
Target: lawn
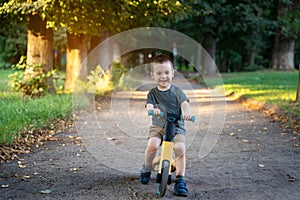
{"points": [[18, 113], [267, 86]]}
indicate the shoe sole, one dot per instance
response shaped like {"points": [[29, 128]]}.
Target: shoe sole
{"points": [[180, 194]]}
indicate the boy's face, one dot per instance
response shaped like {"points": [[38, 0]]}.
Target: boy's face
{"points": [[162, 74]]}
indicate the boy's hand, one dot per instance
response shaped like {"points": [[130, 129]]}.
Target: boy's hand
{"points": [[186, 116], [186, 111], [156, 111]]}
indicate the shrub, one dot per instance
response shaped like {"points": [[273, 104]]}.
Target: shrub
{"points": [[35, 83]]}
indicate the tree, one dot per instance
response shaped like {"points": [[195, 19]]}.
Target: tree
{"points": [[232, 32], [86, 20], [40, 38], [13, 39], [288, 30], [40, 43], [298, 91], [82, 19]]}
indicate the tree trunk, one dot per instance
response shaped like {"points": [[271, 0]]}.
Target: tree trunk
{"points": [[209, 66], [40, 44], [77, 50], [95, 41], [283, 53], [298, 91], [252, 56]]}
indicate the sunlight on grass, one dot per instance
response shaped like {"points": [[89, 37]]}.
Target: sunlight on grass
{"points": [[275, 87], [270, 86]]}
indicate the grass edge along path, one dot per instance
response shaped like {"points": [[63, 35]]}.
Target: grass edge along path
{"points": [[273, 91]]}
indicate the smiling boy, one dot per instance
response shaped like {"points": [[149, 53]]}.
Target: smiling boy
{"points": [[171, 99]]}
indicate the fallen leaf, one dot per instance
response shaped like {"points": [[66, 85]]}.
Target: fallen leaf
{"points": [[4, 186], [290, 178], [21, 165], [246, 141], [232, 134], [134, 194], [26, 177], [74, 169], [111, 138], [46, 191], [261, 165]]}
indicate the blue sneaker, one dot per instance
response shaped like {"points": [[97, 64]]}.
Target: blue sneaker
{"points": [[180, 188], [145, 175]]}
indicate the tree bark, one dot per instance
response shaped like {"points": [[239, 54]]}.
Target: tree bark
{"points": [[283, 53], [298, 91], [40, 44], [77, 50], [209, 66]]}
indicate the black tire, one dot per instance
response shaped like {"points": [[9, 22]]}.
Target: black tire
{"points": [[162, 188]]}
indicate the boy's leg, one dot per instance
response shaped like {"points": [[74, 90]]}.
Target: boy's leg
{"points": [[179, 150], [153, 145], [180, 188]]}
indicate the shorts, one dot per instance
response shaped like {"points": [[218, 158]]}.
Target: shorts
{"points": [[156, 131]]}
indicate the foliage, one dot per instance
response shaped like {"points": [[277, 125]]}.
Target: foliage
{"points": [[13, 37], [34, 83], [98, 82], [289, 18], [239, 28]]}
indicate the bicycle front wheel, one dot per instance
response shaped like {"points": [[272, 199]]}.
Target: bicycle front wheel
{"points": [[162, 187]]}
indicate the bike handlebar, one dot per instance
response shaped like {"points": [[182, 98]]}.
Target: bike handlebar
{"points": [[150, 112], [161, 114]]}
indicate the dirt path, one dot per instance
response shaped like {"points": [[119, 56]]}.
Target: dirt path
{"points": [[252, 158]]}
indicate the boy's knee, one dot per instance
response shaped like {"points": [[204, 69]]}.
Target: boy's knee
{"points": [[153, 144], [179, 148]]}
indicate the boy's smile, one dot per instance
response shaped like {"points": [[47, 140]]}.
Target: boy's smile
{"points": [[163, 73]]}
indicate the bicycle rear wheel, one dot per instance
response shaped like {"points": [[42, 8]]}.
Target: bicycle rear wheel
{"points": [[162, 187]]}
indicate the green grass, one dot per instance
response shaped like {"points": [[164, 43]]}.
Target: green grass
{"points": [[4, 79], [267, 86], [18, 113]]}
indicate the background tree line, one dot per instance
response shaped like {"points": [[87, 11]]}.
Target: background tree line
{"points": [[239, 35]]}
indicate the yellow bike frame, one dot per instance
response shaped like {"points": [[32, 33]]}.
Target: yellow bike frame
{"points": [[166, 154]]}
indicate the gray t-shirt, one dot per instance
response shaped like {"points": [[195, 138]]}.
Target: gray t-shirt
{"points": [[167, 101]]}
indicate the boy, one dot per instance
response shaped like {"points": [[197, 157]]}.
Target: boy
{"points": [[167, 98]]}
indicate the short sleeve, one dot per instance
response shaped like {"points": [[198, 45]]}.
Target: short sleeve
{"points": [[181, 96], [150, 98]]}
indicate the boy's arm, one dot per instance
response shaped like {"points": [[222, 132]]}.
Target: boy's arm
{"points": [[186, 110]]}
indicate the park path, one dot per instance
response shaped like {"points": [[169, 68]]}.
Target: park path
{"points": [[233, 153]]}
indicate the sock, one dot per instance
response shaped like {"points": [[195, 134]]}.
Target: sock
{"points": [[147, 168], [179, 177]]}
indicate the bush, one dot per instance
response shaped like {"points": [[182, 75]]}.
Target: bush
{"points": [[98, 82], [35, 83]]}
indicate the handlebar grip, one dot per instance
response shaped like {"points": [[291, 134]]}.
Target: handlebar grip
{"points": [[193, 118], [150, 112]]}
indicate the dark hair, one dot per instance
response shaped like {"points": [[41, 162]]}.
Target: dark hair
{"points": [[161, 58]]}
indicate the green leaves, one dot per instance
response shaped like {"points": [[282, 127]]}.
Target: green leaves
{"points": [[31, 80]]}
